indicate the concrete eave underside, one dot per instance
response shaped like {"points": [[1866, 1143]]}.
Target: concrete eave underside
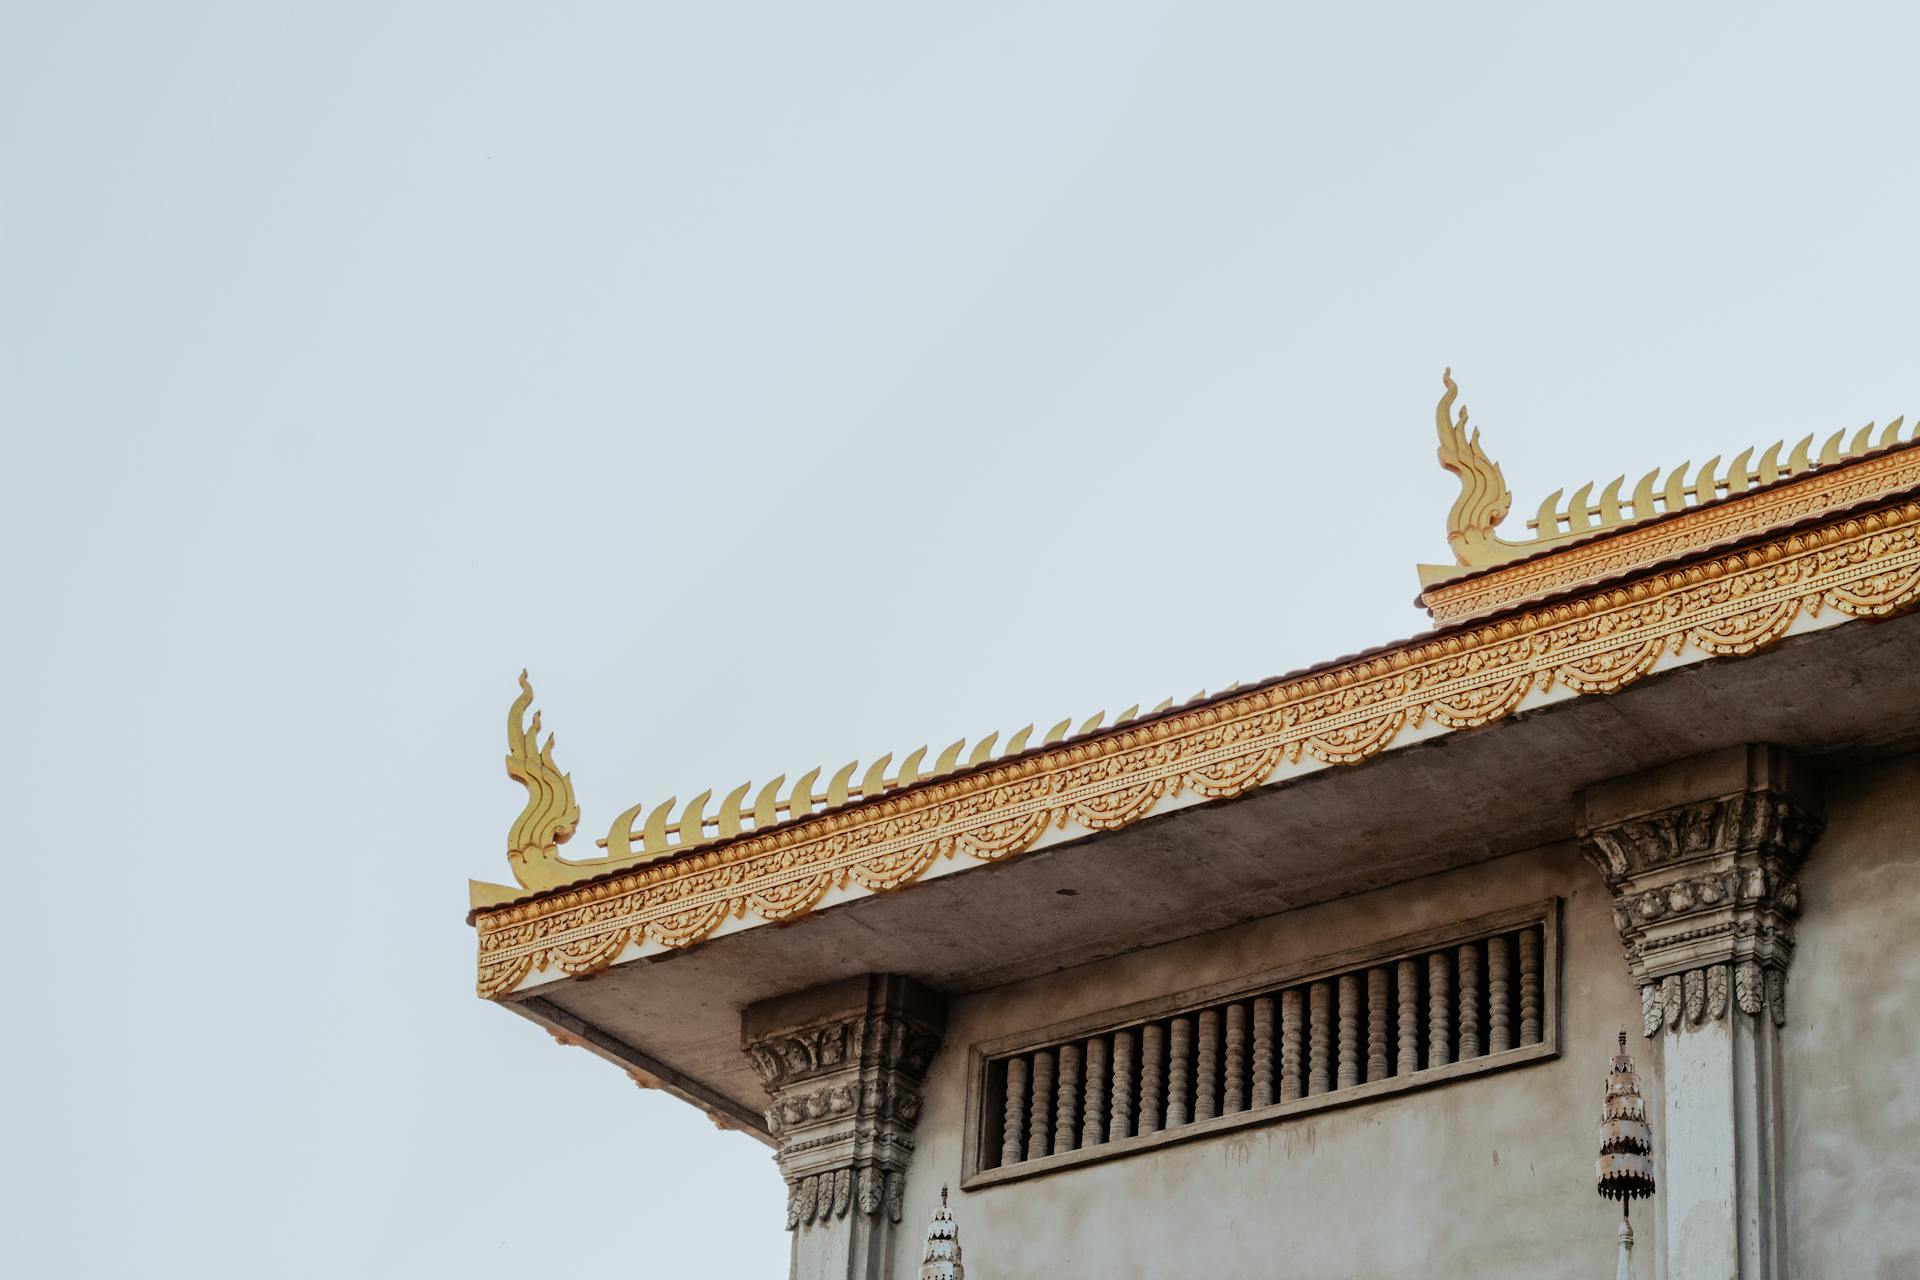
{"points": [[1838, 696]]}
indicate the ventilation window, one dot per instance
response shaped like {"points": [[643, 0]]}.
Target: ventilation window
{"points": [[1411, 1012]]}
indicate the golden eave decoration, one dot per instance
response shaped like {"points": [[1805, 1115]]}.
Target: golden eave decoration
{"points": [[551, 813], [1682, 578], [1485, 499]]}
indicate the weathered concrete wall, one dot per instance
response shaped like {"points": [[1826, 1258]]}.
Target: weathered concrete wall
{"points": [[1851, 1046], [1490, 1177]]}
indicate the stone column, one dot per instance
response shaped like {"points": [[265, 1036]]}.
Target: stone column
{"points": [[1701, 858], [843, 1065]]}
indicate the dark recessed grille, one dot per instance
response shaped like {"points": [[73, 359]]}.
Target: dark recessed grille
{"points": [[1408, 1018]]}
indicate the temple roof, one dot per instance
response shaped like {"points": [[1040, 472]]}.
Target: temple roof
{"points": [[1701, 566], [1577, 543]]}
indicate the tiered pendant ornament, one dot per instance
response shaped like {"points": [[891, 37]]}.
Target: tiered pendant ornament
{"points": [[1625, 1166], [942, 1258]]}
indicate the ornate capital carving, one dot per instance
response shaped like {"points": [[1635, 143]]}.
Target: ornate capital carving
{"points": [[843, 1066], [1702, 858]]}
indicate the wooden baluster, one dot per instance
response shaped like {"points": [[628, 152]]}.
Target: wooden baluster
{"points": [[1152, 1056], [1439, 1011], [1376, 1025], [1319, 1037], [1349, 1030], [1206, 1104], [1289, 1045], [1041, 1113], [1236, 1083], [1469, 1000], [1263, 1051], [1179, 1071], [1529, 987], [1499, 1019], [1093, 1130], [1066, 1111], [1408, 973], [1013, 1148], [1120, 1120]]}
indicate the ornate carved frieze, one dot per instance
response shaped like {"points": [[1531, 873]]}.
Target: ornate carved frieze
{"points": [[1704, 890], [844, 1092]]}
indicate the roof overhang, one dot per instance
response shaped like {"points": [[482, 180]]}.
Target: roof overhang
{"points": [[1127, 838]]}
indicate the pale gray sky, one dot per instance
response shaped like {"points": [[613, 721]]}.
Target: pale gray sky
{"points": [[781, 384]]}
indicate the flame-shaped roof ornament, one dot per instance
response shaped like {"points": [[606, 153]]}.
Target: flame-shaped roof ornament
{"points": [[551, 814]]}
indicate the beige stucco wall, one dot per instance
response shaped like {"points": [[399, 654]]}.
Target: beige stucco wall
{"points": [[1489, 1177], [1851, 1046]]}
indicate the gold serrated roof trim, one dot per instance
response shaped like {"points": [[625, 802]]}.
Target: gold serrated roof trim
{"points": [[632, 841], [1484, 499], [1884, 472]]}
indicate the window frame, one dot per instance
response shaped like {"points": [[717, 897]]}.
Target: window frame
{"points": [[982, 1055]]}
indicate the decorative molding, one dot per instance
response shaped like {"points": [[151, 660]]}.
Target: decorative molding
{"points": [[1701, 857], [1706, 886], [845, 1097], [1865, 566]]}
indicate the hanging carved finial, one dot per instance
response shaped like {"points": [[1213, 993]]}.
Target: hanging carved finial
{"points": [[941, 1261], [1625, 1167], [551, 814]]}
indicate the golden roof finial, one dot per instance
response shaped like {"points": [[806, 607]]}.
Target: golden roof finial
{"points": [[1484, 498], [548, 821], [551, 814]]}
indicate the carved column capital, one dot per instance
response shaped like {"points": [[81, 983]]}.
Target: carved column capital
{"points": [[1702, 858], [843, 1066]]}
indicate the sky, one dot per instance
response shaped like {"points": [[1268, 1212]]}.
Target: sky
{"points": [[781, 384]]}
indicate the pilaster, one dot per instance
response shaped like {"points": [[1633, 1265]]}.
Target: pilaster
{"points": [[843, 1065], [1702, 859]]}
